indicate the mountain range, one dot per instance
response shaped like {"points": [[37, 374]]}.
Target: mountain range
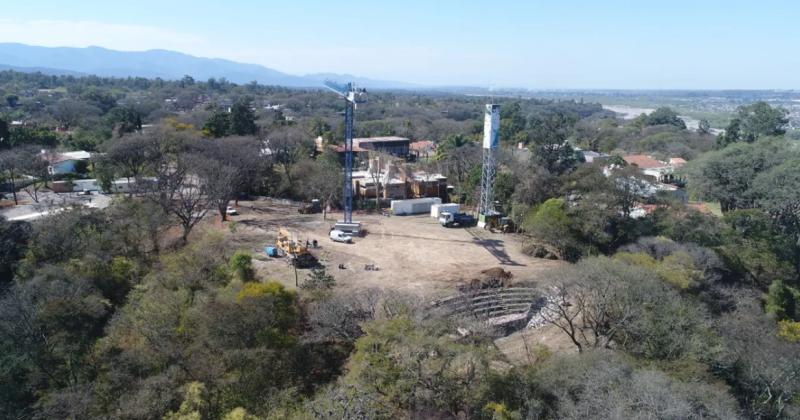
{"points": [[170, 65]]}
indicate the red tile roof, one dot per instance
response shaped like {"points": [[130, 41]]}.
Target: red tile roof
{"points": [[422, 145], [644, 161]]}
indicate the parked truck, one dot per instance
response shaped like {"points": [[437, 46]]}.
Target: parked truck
{"points": [[448, 219], [310, 208]]}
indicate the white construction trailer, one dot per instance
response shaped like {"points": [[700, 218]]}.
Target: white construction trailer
{"points": [[437, 209], [415, 206]]}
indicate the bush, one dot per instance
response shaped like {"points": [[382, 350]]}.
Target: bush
{"points": [[242, 266], [319, 279]]}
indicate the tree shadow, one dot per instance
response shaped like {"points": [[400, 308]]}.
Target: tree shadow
{"points": [[496, 248]]}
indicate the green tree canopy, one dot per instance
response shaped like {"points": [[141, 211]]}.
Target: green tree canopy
{"points": [[664, 116]]}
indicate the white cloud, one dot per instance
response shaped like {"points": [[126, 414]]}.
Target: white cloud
{"points": [[62, 33]]}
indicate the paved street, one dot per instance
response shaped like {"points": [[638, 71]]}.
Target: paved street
{"points": [[50, 202]]}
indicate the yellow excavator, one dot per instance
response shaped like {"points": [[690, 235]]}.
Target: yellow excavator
{"points": [[289, 244], [295, 249]]}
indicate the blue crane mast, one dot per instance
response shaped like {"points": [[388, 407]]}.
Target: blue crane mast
{"points": [[352, 97]]}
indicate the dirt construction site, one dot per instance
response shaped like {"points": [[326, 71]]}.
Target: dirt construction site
{"points": [[409, 253]]}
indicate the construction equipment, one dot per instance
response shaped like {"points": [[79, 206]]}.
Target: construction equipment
{"points": [[448, 219], [289, 244], [310, 208], [352, 97]]}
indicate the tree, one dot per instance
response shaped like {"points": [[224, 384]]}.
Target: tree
{"points": [[777, 192], [232, 166], [70, 112], [218, 124], [12, 100], [459, 156], [33, 165], [11, 163], [782, 301], [14, 238], [606, 384], [288, 146], [185, 194], [220, 182], [603, 303], [124, 120], [703, 127], [194, 405], [319, 279], [412, 367], [665, 116], [726, 175], [243, 119], [320, 178], [760, 119], [379, 166], [761, 368], [130, 155], [732, 133], [550, 224], [242, 266], [549, 133], [5, 135], [21, 136], [177, 188]]}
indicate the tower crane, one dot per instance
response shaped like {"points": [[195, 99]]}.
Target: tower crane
{"points": [[352, 97]]}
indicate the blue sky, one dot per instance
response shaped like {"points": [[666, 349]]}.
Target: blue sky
{"points": [[599, 44]]}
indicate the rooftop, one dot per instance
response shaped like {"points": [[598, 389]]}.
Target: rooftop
{"points": [[644, 161], [385, 139], [422, 145]]}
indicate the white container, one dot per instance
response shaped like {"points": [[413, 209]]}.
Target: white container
{"points": [[437, 209], [415, 206]]}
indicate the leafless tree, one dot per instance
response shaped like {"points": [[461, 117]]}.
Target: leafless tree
{"points": [[130, 156], [321, 178], [32, 164], [594, 302], [339, 317], [231, 165], [288, 146]]}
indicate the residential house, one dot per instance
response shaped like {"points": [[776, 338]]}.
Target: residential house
{"points": [[392, 145], [66, 162], [661, 171]]}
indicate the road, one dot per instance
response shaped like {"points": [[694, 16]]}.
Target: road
{"points": [[50, 202]]}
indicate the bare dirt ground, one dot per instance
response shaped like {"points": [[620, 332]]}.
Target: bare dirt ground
{"points": [[413, 253], [525, 346]]}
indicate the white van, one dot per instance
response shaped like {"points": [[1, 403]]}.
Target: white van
{"points": [[339, 236]]}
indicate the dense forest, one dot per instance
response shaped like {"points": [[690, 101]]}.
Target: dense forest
{"points": [[129, 312]]}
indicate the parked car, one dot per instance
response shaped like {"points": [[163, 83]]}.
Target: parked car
{"points": [[230, 211], [339, 236]]}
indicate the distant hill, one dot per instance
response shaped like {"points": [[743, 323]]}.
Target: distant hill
{"points": [[159, 63], [43, 70]]}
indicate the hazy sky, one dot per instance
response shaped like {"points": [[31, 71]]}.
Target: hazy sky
{"points": [[712, 44]]}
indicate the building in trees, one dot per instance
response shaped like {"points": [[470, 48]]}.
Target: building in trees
{"points": [[392, 145], [661, 171]]}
